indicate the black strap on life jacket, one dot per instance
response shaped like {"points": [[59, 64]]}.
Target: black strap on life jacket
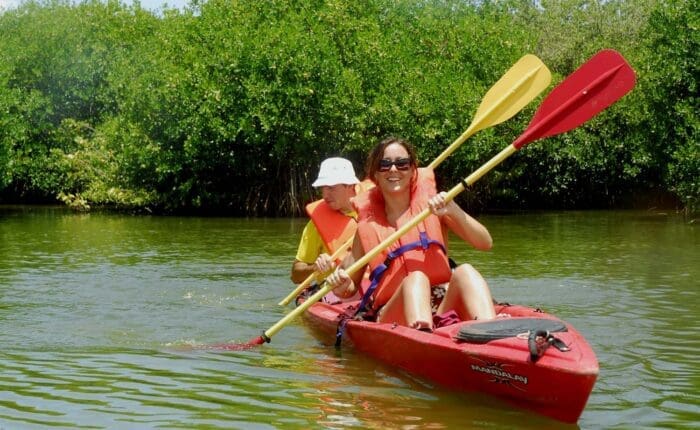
{"points": [[376, 276]]}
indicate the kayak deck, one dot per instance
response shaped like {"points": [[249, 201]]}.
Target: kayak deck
{"points": [[557, 384]]}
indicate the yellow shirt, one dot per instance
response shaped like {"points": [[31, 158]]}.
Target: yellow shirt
{"points": [[311, 245]]}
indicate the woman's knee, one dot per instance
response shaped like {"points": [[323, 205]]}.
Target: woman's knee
{"points": [[466, 273], [468, 282], [417, 279], [415, 285]]}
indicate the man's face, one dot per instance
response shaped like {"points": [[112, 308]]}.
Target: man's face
{"points": [[338, 196]]}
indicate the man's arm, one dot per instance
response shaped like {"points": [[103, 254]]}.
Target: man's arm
{"points": [[310, 247], [301, 271]]}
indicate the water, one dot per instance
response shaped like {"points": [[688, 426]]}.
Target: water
{"points": [[99, 314]]}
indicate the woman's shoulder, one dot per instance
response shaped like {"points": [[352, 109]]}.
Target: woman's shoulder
{"points": [[366, 204]]}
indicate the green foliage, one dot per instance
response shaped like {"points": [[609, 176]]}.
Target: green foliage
{"points": [[673, 123], [231, 105], [600, 163], [58, 57]]}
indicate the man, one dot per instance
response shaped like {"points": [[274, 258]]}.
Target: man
{"points": [[332, 221]]}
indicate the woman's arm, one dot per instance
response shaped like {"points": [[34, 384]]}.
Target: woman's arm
{"points": [[461, 223]]}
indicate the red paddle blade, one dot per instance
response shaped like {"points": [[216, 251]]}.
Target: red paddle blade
{"points": [[594, 86], [259, 340]]}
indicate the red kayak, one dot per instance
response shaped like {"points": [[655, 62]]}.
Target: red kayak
{"points": [[530, 359]]}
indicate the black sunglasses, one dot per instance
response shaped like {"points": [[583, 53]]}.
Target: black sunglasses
{"points": [[400, 163]]}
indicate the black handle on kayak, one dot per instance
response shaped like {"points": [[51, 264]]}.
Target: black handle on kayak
{"points": [[540, 340]]}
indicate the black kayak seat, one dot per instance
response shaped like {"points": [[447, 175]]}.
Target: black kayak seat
{"points": [[483, 332]]}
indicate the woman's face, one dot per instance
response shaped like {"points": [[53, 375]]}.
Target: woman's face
{"points": [[396, 170]]}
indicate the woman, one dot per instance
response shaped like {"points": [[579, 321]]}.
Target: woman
{"points": [[410, 279]]}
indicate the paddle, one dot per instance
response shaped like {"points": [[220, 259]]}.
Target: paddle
{"points": [[517, 87], [598, 83]]}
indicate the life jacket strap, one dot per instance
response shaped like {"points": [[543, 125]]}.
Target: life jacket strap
{"points": [[376, 275]]}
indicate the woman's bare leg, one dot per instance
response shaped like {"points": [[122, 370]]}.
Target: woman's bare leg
{"points": [[468, 295], [410, 305]]}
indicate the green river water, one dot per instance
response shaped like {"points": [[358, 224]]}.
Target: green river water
{"points": [[98, 311]]}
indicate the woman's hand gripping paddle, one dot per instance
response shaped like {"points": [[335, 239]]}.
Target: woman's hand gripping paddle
{"points": [[517, 87], [597, 84]]}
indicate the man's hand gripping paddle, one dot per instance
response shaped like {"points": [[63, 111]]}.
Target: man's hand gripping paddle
{"points": [[517, 87], [597, 84]]}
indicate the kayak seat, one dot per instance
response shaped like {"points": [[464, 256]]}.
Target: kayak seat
{"points": [[483, 332]]}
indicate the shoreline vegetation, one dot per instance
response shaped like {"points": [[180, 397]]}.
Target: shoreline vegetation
{"points": [[228, 107]]}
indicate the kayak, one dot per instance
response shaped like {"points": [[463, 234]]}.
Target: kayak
{"points": [[530, 359]]}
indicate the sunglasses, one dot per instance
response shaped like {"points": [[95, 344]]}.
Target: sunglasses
{"points": [[400, 163]]}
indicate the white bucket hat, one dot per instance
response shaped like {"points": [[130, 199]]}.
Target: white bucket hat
{"points": [[335, 171]]}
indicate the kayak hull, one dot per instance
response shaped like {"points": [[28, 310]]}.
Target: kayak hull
{"points": [[556, 385]]}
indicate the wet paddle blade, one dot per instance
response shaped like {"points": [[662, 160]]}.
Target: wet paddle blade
{"points": [[259, 340], [594, 86]]}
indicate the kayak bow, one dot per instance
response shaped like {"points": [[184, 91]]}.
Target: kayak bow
{"points": [[525, 368]]}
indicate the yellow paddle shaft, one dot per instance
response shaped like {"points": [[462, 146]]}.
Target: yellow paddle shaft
{"points": [[365, 259], [525, 80], [316, 276]]}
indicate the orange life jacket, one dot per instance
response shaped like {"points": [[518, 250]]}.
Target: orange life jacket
{"points": [[334, 227], [420, 249]]}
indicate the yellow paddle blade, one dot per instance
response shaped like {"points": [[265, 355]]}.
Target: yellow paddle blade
{"points": [[516, 88]]}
